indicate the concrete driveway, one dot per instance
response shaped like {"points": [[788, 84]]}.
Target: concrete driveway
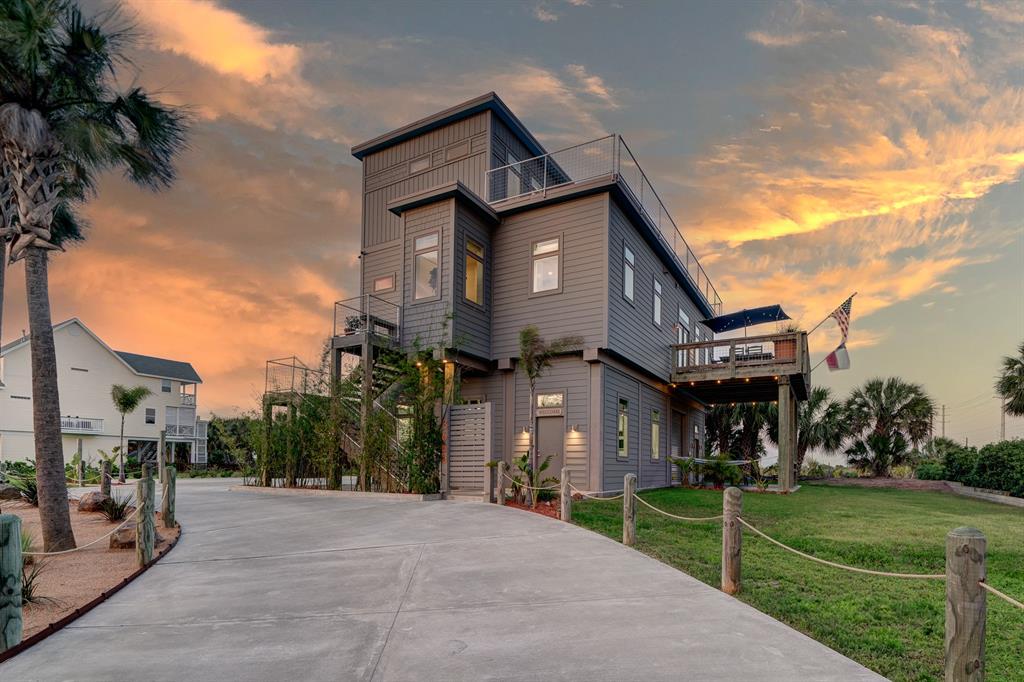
{"points": [[272, 587]]}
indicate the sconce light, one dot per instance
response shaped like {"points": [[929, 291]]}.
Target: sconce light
{"points": [[575, 428], [526, 429]]}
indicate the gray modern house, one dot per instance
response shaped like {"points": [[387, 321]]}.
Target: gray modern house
{"points": [[472, 230]]}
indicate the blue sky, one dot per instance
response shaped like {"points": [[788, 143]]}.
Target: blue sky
{"points": [[806, 150]]}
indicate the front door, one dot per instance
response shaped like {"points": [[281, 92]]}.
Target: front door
{"points": [[551, 441]]}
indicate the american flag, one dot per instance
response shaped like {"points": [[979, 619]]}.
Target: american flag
{"points": [[842, 316]]}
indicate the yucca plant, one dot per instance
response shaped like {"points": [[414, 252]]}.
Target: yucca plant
{"points": [[30, 585], [114, 509]]}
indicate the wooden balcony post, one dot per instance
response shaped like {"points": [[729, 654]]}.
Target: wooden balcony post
{"points": [[787, 434]]}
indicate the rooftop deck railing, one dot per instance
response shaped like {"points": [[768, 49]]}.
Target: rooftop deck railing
{"points": [[367, 313], [776, 350], [598, 158], [81, 425]]}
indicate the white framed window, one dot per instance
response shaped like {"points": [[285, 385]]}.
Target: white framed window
{"points": [[545, 261], [628, 273], [419, 165], [550, 400], [384, 284], [474, 272], [657, 303], [682, 336], [165, 385], [622, 430], [655, 434], [427, 261], [151, 415]]}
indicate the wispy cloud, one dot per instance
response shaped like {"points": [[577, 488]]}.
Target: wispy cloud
{"points": [[542, 13]]}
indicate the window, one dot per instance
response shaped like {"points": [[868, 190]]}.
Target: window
{"points": [[657, 302], [682, 336], [151, 415], [427, 258], [165, 385], [420, 164], [546, 265], [628, 266], [383, 284], [622, 439], [550, 400], [474, 272], [655, 434]]}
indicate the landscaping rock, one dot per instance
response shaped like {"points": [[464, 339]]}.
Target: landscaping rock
{"points": [[9, 492], [91, 502], [124, 538]]}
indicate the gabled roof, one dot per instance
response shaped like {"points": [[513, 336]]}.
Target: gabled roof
{"points": [[143, 365], [488, 102]]}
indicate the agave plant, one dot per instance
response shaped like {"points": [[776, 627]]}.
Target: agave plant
{"points": [[115, 509]]}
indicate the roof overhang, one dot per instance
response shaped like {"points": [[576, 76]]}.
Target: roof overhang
{"points": [[489, 102], [452, 190]]}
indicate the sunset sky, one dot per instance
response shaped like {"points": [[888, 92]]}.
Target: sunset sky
{"points": [[806, 150]]}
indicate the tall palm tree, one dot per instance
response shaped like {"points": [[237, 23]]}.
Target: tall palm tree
{"points": [[752, 418], [884, 416], [127, 400], [61, 122], [819, 424], [1010, 384], [720, 430]]}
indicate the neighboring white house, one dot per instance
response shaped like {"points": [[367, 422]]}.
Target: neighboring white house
{"points": [[86, 369]]}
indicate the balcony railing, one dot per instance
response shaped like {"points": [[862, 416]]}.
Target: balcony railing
{"points": [[367, 313], [188, 399], [786, 353], [81, 425], [598, 158], [181, 430]]}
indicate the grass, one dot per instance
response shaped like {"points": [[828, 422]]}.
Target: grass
{"points": [[893, 626]]}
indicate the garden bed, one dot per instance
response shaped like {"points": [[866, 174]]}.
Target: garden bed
{"points": [[69, 582], [549, 509]]}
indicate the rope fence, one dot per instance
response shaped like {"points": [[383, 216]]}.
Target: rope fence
{"points": [[675, 516], [521, 484], [86, 546], [594, 494], [1010, 600]]}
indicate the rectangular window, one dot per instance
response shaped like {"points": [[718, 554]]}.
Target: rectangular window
{"points": [[420, 164], [657, 302], [546, 265], [384, 284], [628, 267], [151, 415], [165, 385], [682, 336], [428, 272], [474, 272], [655, 434], [550, 400], [622, 439]]}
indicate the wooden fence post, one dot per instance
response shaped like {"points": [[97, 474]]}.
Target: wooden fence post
{"points": [[10, 581], [501, 483], [145, 532], [167, 496], [565, 497], [732, 539], [629, 510], [965, 605], [105, 478], [489, 471]]}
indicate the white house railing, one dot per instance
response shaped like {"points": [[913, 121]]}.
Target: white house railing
{"points": [[179, 430], [188, 399], [598, 158], [81, 425]]}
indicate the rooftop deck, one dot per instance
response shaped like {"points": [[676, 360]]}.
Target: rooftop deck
{"points": [[608, 156], [745, 369], [366, 317]]}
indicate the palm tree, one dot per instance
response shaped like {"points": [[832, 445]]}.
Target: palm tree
{"points": [[884, 417], [127, 400], [819, 424], [1010, 385], [61, 122], [720, 430], [752, 419]]}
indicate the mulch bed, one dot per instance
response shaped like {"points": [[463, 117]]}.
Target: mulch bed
{"points": [[898, 483], [549, 509]]}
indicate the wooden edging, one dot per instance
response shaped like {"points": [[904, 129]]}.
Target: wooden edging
{"points": [[86, 608]]}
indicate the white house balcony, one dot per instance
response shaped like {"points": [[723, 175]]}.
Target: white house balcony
{"points": [[181, 430], [81, 425], [188, 399]]}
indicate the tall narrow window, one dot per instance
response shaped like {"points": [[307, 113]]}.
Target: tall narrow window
{"points": [[151, 415], [655, 434], [657, 302], [474, 272], [682, 336], [545, 258], [622, 439], [427, 270], [165, 385], [628, 267]]}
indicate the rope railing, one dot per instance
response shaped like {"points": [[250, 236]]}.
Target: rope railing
{"points": [[675, 516], [527, 487], [86, 546], [594, 494], [988, 588]]}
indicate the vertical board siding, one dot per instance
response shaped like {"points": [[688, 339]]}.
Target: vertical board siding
{"points": [[426, 322], [471, 323], [631, 329], [387, 261], [489, 389], [576, 310], [503, 140]]}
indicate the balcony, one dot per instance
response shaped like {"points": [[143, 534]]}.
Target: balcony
{"points": [[606, 157], [81, 425], [366, 316], [188, 399], [745, 369], [181, 430]]}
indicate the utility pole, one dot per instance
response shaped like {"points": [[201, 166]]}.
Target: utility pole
{"points": [[1002, 419], [943, 421]]}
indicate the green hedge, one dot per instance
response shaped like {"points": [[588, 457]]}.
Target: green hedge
{"points": [[931, 471], [1000, 466]]}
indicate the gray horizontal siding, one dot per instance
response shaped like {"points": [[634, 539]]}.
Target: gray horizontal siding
{"points": [[426, 322], [387, 261], [579, 308], [471, 323]]}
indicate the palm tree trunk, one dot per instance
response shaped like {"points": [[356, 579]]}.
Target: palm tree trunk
{"points": [[120, 453], [53, 492]]}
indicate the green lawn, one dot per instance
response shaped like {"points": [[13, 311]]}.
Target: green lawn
{"points": [[893, 626]]}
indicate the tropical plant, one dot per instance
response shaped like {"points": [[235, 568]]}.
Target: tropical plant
{"points": [[686, 465], [1000, 466], [720, 429], [127, 400], [886, 417], [752, 419], [534, 478], [535, 356], [1010, 384], [116, 509], [26, 548], [61, 123], [30, 585], [28, 486], [820, 425], [720, 471]]}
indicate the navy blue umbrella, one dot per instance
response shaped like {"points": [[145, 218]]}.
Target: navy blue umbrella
{"points": [[746, 318]]}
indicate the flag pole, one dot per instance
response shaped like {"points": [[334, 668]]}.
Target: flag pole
{"points": [[825, 320]]}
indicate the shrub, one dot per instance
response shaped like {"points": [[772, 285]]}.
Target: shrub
{"points": [[1000, 466], [958, 461], [28, 488], [902, 471], [720, 472], [930, 471], [114, 509], [815, 470]]}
